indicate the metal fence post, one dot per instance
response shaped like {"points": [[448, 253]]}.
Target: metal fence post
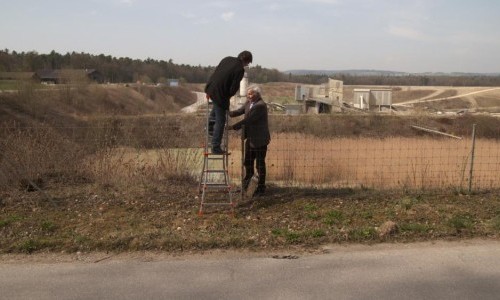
{"points": [[472, 156]]}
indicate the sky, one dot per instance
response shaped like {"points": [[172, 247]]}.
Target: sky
{"points": [[393, 35]]}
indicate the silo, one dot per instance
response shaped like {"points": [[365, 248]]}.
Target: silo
{"points": [[244, 85]]}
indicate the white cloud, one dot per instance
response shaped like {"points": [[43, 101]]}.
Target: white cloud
{"points": [[227, 16]]}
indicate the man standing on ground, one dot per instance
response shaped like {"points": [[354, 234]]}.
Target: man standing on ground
{"points": [[256, 133], [222, 85]]}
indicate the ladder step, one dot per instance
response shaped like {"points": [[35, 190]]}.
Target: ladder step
{"points": [[209, 154], [216, 186], [215, 158], [221, 203]]}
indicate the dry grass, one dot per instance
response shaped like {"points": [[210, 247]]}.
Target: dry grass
{"points": [[390, 163], [445, 93], [128, 182], [488, 101]]}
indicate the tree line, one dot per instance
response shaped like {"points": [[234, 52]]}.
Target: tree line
{"points": [[124, 69]]}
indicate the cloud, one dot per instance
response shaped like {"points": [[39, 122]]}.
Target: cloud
{"points": [[227, 16], [407, 33]]}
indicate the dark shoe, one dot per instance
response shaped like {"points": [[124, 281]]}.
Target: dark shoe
{"points": [[246, 182], [217, 150], [260, 191]]}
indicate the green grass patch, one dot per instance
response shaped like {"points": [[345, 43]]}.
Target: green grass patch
{"points": [[32, 245], [48, 226], [414, 227], [9, 220], [496, 222], [460, 222], [333, 217], [278, 231], [292, 237], [318, 233], [310, 207], [363, 233], [408, 202], [313, 216], [367, 215]]}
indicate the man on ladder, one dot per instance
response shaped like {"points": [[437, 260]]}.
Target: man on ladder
{"points": [[222, 85]]}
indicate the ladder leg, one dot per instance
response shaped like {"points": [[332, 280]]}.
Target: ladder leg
{"points": [[214, 177]]}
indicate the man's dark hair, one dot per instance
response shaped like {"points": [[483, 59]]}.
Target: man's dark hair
{"points": [[245, 56]]}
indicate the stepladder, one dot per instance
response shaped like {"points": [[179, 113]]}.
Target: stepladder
{"points": [[215, 188]]}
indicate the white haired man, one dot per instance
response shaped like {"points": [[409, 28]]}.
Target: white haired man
{"points": [[256, 135]]}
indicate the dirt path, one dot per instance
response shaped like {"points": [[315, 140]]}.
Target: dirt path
{"points": [[200, 100], [425, 99]]}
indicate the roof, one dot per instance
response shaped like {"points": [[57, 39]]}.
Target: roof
{"points": [[16, 75], [65, 73]]}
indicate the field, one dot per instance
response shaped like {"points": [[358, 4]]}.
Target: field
{"points": [[116, 168], [379, 164]]}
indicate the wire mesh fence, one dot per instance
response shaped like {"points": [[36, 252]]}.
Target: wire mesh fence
{"points": [[389, 163], [135, 152]]}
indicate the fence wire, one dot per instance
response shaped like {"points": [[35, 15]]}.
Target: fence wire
{"points": [[128, 151]]}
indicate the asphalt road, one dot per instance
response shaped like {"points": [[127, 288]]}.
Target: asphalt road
{"points": [[442, 270]]}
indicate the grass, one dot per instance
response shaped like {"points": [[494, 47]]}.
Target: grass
{"points": [[90, 217], [7, 220], [389, 163], [128, 182], [461, 222], [8, 85]]}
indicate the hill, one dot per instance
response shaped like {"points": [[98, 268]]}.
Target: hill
{"points": [[70, 104]]}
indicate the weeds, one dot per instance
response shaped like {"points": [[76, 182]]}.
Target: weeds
{"points": [[333, 217], [496, 222], [317, 233], [9, 220], [459, 222], [48, 226], [414, 228], [363, 234]]}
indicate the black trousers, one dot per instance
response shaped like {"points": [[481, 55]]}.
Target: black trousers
{"points": [[255, 157]]}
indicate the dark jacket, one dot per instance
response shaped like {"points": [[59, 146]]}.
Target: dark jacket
{"points": [[225, 81], [255, 121]]}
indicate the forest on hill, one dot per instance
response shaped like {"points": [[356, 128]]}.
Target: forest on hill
{"points": [[124, 69]]}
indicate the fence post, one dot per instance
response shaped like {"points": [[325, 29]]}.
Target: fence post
{"points": [[472, 156], [242, 195]]}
